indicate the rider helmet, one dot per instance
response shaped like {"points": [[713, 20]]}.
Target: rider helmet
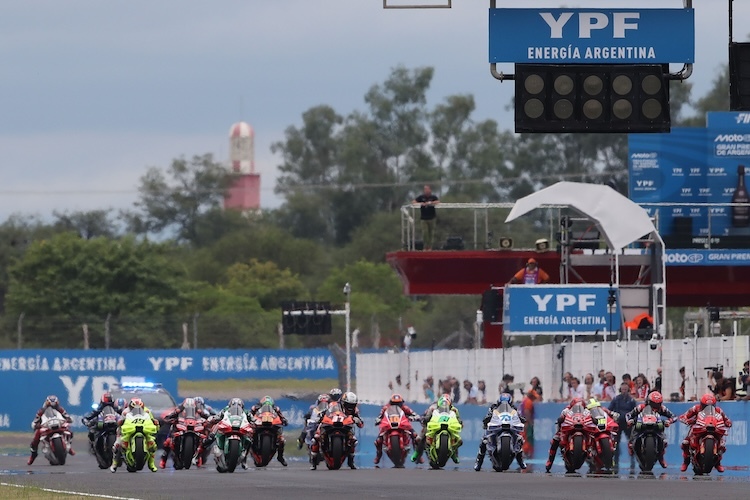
{"points": [[120, 403], [136, 403], [107, 399], [266, 400], [592, 403], [448, 398], [576, 401], [200, 402], [708, 399], [504, 398], [335, 394], [51, 400], [323, 398], [349, 400], [654, 399], [443, 403], [236, 402], [397, 399]]}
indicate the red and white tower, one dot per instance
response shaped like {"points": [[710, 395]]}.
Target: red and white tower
{"points": [[244, 191]]}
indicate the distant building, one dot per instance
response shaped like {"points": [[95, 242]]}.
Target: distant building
{"points": [[244, 191]]}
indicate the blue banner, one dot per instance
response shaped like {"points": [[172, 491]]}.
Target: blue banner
{"points": [[560, 309], [79, 377], [692, 166], [701, 257], [592, 36]]}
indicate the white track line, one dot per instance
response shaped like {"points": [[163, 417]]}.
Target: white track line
{"points": [[79, 493]]}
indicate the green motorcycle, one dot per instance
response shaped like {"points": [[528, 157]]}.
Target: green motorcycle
{"points": [[232, 440], [443, 436], [139, 431]]}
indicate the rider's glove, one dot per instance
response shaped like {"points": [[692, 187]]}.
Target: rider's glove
{"points": [[358, 421], [630, 422], [85, 421], [33, 424], [615, 415]]}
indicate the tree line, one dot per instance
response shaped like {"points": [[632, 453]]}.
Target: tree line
{"points": [[136, 277]]}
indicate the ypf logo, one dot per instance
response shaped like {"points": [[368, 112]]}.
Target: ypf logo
{"points": [[677, 212], [644, 183], [686, 191], [683, 258], [565, 301], [695, 171], [677, 172], [592, 21], [717, 171]]}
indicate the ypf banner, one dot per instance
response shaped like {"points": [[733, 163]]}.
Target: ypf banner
{"points": [[79, 377], [560, 309]]}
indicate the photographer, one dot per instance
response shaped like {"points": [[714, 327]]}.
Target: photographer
{"points": [[745, 379]]}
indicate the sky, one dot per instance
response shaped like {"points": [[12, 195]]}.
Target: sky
{"points": [[94, 92]]}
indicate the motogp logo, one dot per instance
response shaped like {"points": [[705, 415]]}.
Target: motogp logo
{"points": [[683, 258]]}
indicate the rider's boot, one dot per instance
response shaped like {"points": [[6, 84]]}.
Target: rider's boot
{"points": [[519, 459], [685, 458], [32, 457], [350, 461], [553, 446], [280, 454], [454, 456], [301, 440], [480, 455], [417, 455], [719, 467], [116, 459], [164, 457], [151, 464], [378, 450]]}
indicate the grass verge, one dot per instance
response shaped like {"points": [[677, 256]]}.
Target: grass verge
{"points": [[220, 389], [18, 492]]}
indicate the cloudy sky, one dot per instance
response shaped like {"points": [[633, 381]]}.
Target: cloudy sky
{"points": [[93, 92]]}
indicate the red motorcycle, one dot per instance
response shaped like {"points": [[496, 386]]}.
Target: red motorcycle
{"points": [[396, 429], [705, 445], [334, 433], [575, 441], [602, 432], [266, 429], [186, 437]]}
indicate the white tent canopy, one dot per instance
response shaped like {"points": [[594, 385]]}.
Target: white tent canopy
{"points": [[620, 220]]}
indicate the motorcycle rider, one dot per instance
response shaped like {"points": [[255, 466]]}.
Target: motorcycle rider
{"points": [[335, 394], [193, 409], [349, 404], [53, 402], [690, 417], [554, 443], [321, 403], [200, 404], [135, 407], [234, 403], [656, 401], [396, 400], [280, 441], [120, 405], [503, 399], [89, 420], [426, 416]]}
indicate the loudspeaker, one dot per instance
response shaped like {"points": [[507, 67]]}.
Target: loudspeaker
{"points": [[505, 243]]}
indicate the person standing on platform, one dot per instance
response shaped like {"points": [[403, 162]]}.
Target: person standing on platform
{"points": [[427, 215]]}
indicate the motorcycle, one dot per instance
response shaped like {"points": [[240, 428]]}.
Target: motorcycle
{"points": [[334, 429], [106, 434], [233, 434], [602, 430], [574, 442], [648, 443], [266, 428], [137, 430], [55, 436], [186, 437], [442, 437], [504, 436], [396, 429], [708, 432]]}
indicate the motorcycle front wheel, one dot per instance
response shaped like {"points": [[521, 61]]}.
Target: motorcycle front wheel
{"points": [[396, 453], [506, 452], [188, 449], [708, 455], [59, 450], [233, 454]]}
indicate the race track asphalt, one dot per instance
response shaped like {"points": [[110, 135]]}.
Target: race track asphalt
{"points": [[81, 474]]}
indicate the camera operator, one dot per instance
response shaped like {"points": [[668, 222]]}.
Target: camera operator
{"points": [[745, 378], [723, 387]]}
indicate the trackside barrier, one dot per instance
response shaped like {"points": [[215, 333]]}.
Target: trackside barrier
{"points": [[79, 377], [374, 372]]}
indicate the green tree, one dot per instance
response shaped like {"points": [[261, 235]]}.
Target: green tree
{"points": [[175, 200], [73, 281], [88, 224]]}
